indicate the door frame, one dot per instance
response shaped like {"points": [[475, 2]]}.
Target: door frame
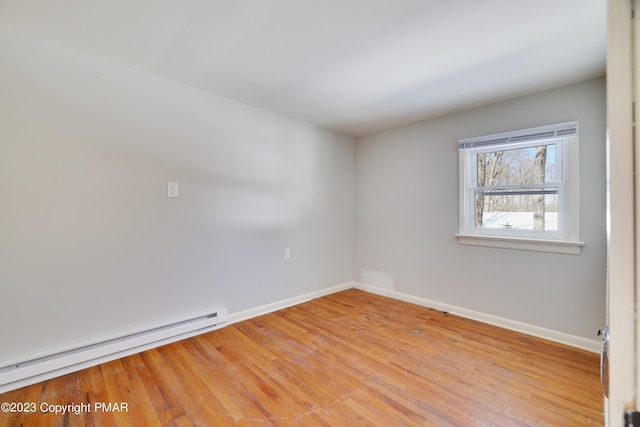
{"points": [[622, 190]]}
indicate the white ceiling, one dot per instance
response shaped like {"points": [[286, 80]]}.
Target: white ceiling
{"points": [[355, 66]]}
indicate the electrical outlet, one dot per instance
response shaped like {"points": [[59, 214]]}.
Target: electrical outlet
{"points": [[287, 253], [172, 189]]}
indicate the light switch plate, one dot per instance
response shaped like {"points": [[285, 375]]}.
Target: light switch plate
{"points": [[172, 189]]}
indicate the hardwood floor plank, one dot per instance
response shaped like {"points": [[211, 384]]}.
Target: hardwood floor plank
{"points": [[349, 358], [145, 413]]}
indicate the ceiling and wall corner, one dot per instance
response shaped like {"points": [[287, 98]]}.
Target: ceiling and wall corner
{"points": [[356, 66]]}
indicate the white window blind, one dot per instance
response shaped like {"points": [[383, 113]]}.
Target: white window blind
{"points": [[539, 134]]}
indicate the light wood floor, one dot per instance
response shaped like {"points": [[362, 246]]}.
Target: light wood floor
{"points": [[351, 358]]}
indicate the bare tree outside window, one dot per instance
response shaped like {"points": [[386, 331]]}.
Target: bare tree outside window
{"points": [[538, 178], [489, 166], [508, 184]]}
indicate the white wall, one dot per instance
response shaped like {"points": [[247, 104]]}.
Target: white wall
{"points": [[406, 214], [90, 246]]}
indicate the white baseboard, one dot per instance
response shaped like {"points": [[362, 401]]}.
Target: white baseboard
{"points": [[289, 302], [592, 346], [548, 334], [77, 361]]}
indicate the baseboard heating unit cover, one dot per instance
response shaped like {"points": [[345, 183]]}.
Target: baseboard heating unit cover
{"points": [[30, 371]]}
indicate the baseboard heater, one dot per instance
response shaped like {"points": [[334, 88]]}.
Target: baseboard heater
{"points": [[20, 374]]}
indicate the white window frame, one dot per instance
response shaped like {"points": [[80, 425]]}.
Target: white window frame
{"points": [[566, 239]]}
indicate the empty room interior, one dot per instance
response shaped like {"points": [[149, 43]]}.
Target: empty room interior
{"points": [[280, 212]]}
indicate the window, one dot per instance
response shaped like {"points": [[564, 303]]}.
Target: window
{"points": [[519, 190]]}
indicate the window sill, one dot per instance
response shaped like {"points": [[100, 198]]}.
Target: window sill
{"points": [[520, 243]]}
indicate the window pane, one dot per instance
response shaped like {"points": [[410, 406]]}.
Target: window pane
{"points": [[530, 165], [518, 212]]}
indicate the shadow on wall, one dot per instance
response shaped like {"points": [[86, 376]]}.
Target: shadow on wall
{"points": [[123, 135], [377, 279]]}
